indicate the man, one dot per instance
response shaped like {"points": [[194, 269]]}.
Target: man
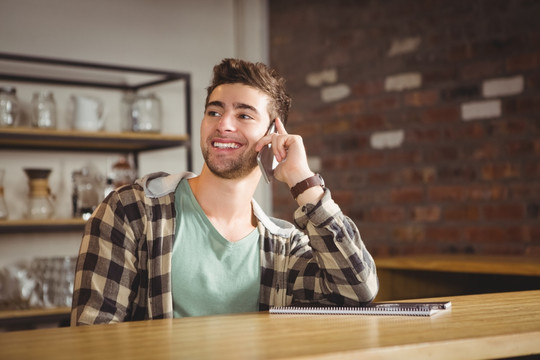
{"points": [[186, 245]]}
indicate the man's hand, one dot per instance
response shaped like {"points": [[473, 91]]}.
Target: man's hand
{"points": [[291, 155]]}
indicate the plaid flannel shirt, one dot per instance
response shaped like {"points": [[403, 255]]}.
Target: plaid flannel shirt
{"points": [[124, 267]]}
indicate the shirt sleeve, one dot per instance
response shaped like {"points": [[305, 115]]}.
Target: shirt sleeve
{"points": [[329, 261], [106, 274]]}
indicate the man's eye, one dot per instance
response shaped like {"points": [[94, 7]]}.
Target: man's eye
{"points": [[245, 117], [212, 113]]}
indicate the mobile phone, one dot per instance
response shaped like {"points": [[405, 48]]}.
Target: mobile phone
{"points": [[266, 159]]}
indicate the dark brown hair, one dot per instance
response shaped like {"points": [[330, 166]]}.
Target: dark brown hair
{"points": [[258, 76]]}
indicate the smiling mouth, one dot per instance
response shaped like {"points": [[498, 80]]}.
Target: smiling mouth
{"points": [[222, 145]]}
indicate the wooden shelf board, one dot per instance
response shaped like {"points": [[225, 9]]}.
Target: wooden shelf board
{"points": [[30, 138]]}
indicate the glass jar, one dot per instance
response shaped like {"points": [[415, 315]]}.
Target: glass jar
{"points": [[44, 110], [141, 113], [9, 107]]}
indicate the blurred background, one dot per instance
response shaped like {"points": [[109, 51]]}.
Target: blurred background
{"points": [[423, 116]]}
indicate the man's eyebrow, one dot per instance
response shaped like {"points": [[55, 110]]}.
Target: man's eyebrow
{"points": [[216, 103], [220, 104], [245, 106]]}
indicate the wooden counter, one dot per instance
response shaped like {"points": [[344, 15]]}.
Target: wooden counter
{"points": [[407, 277], [477, 264], [477, 327], [33, 318]]}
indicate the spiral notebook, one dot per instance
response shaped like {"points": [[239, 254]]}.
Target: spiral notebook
{"points": [[401, 308]]}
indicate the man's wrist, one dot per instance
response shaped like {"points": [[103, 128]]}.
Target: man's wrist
{"points": [[310, 182], [310, 196]]}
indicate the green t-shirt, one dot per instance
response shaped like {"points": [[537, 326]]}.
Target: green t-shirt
{"points": [[211, 275]]}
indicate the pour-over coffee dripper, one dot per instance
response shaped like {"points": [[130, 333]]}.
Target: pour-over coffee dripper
{"points": [[39, 199]]}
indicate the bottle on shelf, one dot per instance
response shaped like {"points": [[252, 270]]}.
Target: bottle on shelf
{"points": [[86, 193], [122, 172]]}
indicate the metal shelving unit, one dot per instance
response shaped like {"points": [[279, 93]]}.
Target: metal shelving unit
{"points": [[43, 70]]}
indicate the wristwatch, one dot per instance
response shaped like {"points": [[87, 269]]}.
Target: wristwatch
{"points": [[315, 180]]}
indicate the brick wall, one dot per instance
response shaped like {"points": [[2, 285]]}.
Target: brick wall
{"points": [[422, 116]]}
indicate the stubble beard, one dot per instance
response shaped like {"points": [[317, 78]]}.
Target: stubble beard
{"points": [[234, 168]]}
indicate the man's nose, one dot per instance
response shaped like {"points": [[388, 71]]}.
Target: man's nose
{"points": [[227, 123]]}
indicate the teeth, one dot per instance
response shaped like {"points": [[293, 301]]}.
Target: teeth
{"points": [[226, 145]]}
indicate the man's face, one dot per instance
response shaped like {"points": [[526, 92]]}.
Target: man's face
{"points": [[235, 118]]}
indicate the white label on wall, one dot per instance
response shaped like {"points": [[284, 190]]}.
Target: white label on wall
{"points": [[404, 45], [335, 92], [403, 81], [503, 86], [387, 139], [481, 110], [317, 79]]}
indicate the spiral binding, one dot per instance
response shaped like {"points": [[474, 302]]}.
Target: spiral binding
{"points": [[395, 310]]}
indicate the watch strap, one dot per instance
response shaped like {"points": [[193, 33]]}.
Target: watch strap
{"points": [[312, 181]]}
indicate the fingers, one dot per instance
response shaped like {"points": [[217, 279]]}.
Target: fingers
{"points": [[277, 145], [279, 141], [268, 138], [280, 144], [280, 128]]}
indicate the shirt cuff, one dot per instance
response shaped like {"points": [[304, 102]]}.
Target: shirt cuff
{"points": [[318, 214]]}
